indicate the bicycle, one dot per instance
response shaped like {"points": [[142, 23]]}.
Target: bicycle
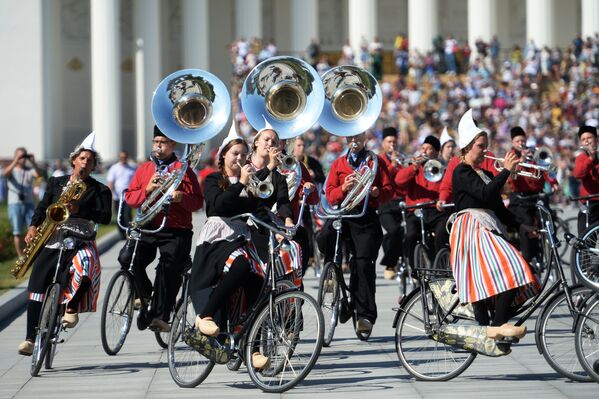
{"points": [[424, 316], [49, 326], [118, 306], [586, 337], [284, 324], [588, 231]]}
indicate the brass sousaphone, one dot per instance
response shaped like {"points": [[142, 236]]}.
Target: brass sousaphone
{"points": [[353, 102], [189, 106]]}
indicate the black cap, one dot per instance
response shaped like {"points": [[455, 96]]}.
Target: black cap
{"points": [[432, 140], [587, 129], [517, 131], [158, 132], [389, 131]]}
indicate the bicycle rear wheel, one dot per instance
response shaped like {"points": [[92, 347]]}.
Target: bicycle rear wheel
{"points": [[562, 227], [187, 367], [555, 336], [586, 339], [421, 259], [328, 300], [586, 259], [423, 357], [117, 312], [45, 328], [290, 336]]}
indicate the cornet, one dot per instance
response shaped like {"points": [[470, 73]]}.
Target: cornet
{"points": [[537, 172], [259, 188]]}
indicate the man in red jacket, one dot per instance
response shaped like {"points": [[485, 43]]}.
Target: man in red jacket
{"points": [[418, 190], [389, 213], [173, 241], [586, 169], [526, 210], [365, 232]]}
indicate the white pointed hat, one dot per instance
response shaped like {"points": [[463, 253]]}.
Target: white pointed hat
{"points": [[467, 129], [445, 137], [233, 135], [89, 143], [267, 126]]}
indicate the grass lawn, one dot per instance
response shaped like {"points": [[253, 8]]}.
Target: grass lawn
{"points": [[7, 281]]}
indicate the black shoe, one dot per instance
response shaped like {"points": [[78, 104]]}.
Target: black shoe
{"points": [[345, 311], [143, 320]]}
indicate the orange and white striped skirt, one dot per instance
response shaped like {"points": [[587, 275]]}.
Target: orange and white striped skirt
{"points": [[485, 264]]}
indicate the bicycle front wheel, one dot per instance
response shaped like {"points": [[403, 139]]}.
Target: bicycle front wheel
{"points": [[586, 339], [45, 328], [554, 333], [586, 259], [328, 300], [188, 367], [423, 357], [290, 334], [117, 312]]}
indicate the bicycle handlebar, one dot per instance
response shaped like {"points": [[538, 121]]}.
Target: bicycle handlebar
{"points": [[138, 229], [534, 197], [584, 197], [428, 204], [286, 231]]}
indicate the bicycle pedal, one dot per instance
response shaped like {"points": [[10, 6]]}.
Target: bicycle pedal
{"points": [[507, 340]]}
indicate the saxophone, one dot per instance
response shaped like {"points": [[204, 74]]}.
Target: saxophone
{"points": [[56, 214]]}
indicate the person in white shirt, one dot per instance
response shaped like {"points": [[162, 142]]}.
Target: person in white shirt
{"points": [[119, 176]]}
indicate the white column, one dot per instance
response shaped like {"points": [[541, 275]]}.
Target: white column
{"points": [[106, 94], [590, 18], [248, 19], [482, 20], [146, 17], [423, 24], [304, 24], [362, 22], [539, 22], [54, 135], [196, 34]]}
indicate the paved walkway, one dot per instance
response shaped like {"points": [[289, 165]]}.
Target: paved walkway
{"points": [[349, 368]]}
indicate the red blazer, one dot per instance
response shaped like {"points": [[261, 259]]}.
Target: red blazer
{"points": [[392, 171], [312, 197], [418, 188], [587, 172], [340, 169], [179, 215], [446, 188]]}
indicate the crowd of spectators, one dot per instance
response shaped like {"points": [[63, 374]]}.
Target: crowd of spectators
{"points": [[549, 92]]}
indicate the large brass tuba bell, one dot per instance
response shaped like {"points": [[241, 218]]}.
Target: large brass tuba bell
{"points": [[284, 91], [353, 100]]}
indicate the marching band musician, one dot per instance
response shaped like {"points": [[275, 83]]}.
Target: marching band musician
{"points": [[226, 256], [312, 164], [264, 159], [173, 241], [586, 170], [448, 146], [419, 189], [479, 250], [81, 265], [524, 186], [364, 232], [389, 213]]}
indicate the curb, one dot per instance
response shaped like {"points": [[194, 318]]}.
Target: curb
{"points": [[16, 299]]}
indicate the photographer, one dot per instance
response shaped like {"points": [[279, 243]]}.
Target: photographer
{"points": [[20, 174]]}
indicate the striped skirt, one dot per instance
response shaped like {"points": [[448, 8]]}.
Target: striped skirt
{"points": [[288, 263], [85, 263], [485, 264]]}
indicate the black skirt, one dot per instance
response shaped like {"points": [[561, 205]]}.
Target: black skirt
{"points": [[209, 261]]}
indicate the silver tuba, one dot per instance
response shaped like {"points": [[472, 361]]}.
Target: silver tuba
{"points": [[353, 102], [286, 93], [189, 106]]}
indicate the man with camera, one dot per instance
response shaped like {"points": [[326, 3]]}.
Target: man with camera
{"points": [[20, 175]]}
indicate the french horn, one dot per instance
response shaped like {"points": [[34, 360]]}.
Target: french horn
{"points": [[189, 106]]}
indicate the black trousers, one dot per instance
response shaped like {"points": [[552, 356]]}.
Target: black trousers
{"points": [[433, 221], [526, 213], [174, 246], [126, 215], [390, 218], [593, 217], [366, 236]]}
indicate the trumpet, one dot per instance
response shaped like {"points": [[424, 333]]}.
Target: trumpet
{"points": [[536, 173], [259, 188], [434, 170], [587, 149]]}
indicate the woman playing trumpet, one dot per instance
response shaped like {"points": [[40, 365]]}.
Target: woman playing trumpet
{"points": [[485, 265]]}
